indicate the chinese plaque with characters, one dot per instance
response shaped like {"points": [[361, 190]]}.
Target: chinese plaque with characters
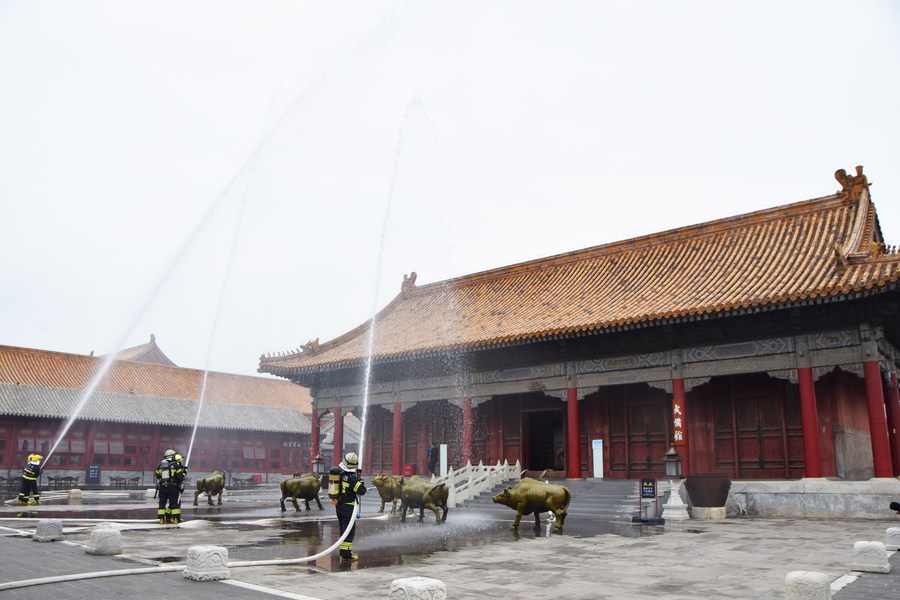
{"points": [[679, 423]]}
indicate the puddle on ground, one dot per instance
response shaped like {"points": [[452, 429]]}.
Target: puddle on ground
{"points": [[259, 530]]}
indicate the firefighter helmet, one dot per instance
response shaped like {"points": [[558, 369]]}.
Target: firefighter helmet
{"points": [[351, 460], [169, 453]]}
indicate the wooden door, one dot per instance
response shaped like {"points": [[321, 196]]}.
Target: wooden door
{"points": [[648, 439], [638, 431], [760, 433], [758, 428]]}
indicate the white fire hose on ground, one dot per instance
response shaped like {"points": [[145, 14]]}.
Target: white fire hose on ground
{"points": [[11, 585]]}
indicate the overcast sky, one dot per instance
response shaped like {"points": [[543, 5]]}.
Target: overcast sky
{"points": [[241, 177]]}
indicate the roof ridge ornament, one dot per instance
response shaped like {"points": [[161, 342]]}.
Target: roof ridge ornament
{"points": [[409, 282], [852, 185], [312, 346], [859, 245]]}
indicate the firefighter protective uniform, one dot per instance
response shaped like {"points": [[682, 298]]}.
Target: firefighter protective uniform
{"points": [[170, 476], [349, 487], [30, 475]]}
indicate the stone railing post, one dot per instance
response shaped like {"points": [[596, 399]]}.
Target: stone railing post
{"points": [[451, 495]]}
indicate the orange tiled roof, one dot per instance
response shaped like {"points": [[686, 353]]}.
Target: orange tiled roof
{"points": [[822, 248], [42, 368], [147, 353]]}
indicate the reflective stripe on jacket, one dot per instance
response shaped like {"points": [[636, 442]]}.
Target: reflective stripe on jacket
{"points": [[32, 471]]}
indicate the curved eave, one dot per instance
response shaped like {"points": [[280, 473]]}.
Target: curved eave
{"points": [[641, 322]]}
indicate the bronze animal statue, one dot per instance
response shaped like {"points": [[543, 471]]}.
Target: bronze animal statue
{"points": [[533, 496], [305, 487], [415, 493], [210, 485], [388, 488]]}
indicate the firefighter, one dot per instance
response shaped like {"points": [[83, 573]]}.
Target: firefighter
{"points": [[344, 488], [170, 476], [30, 475]]}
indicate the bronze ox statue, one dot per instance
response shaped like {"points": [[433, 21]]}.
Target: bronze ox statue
{"points": [[388, 488], [306, 488], [415, 493], [533, 496], [210, 485]]}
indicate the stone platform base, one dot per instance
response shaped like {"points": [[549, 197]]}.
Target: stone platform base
{"points": [[708, 512], [819, 498]]}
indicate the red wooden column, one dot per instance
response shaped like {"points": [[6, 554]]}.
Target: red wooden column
{"points": [[397, 447], [679, 424], [881, 452], [573, 435], [893, 415], [468, 448], [366, 447], [338, 453], [812, 457], [315, 439]]}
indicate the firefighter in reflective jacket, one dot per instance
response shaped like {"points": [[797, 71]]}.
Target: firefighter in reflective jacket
{"points": [[344, 488], [170, 476], [29, 481]]}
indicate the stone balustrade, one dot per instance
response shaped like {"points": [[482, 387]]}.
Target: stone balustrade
{"points": [[469, 481]]}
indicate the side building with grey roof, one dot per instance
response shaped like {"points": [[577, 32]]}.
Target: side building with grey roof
{"points": [[250, 428]]}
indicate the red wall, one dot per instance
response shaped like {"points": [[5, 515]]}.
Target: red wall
{"points": [[120, 447]]}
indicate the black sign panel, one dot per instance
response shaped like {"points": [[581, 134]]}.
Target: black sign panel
{"points": [[93, 474], [648, 488]]}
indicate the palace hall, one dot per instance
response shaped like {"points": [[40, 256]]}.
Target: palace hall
{"points": [[760, 346]]}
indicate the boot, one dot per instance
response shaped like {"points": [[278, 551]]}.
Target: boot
{"points": [[21, 503], [162, 520]]}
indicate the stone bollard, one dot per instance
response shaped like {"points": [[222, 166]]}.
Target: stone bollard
{"points": [[807, 585], [105, 541], [207, 563], [418, 588], [870, 557], [892, 538], [76, 496], [48, 530]]}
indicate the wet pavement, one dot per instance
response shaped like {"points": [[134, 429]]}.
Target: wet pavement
{"points": [[256, 529], [474, 553]]}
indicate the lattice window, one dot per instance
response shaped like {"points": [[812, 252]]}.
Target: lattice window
{"points": [[617, 419], [724, 416], [512, 421], [771, 412], [658, 421], [793, 416]]}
